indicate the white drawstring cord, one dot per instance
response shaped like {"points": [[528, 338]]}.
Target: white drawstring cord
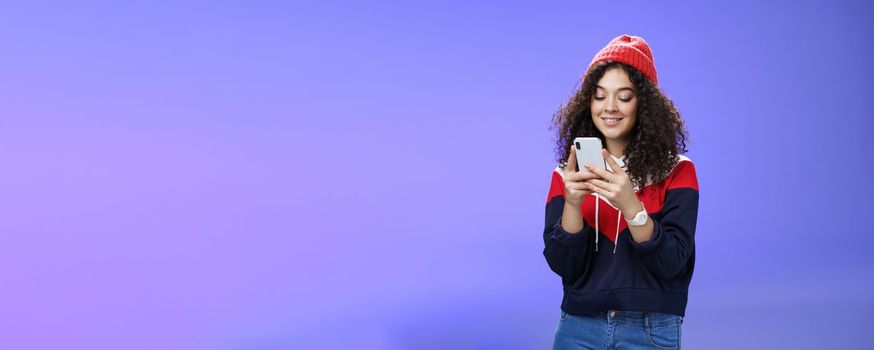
{"points": [[618, 217], [616, 243], [597, 227], [596, 222]]}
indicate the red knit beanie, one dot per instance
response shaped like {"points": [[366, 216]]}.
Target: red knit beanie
{"points": [[631, 50]]}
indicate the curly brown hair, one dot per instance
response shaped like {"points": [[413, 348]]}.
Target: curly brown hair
{"points": [[658, 137]]}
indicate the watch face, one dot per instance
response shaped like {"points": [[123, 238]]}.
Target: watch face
{"points": [[639, 219]]}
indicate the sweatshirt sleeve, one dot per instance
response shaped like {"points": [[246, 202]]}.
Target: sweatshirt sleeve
{"points": [[668, 252], [565, 253]]}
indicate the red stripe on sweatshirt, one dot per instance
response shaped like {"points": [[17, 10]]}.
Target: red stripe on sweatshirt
{"points": [[653, 198]]}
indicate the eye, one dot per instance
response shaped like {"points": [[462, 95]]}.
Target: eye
{"points": [[626, 99], [599, 98]]}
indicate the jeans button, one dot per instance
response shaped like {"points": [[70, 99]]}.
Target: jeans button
{"points": [[612, 313]]}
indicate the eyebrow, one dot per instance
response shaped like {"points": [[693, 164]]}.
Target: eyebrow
{"points": [[620, 89]]}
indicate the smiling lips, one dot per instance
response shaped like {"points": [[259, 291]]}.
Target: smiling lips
{"points": [[611, 121]]}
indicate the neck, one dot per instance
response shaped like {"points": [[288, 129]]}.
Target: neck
{"points": [[616, 147]]}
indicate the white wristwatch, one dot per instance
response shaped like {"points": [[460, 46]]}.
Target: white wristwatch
{"points": [[639, 218]]}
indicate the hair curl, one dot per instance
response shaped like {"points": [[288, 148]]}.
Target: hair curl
{"points": [[657, 138]]}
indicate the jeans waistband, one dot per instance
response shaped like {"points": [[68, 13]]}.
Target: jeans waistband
{"points": [[638, 317]]}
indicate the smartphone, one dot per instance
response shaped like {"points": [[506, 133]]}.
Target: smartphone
{"points": [[589, 151]]}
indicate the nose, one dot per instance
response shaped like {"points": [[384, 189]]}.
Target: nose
{"points": [[610, 106]]}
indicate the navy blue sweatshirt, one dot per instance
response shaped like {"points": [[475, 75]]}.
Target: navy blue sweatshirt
{"points": [[602, 268]]}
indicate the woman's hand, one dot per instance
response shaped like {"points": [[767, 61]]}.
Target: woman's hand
{"points": [[575, 189], [619, 190]]}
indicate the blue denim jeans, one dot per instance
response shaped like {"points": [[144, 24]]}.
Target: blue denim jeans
{"points": [[618, 330]]}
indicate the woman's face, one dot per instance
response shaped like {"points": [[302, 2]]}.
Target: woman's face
{"points": [[614, 105]]}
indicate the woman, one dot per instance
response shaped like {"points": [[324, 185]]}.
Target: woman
{"points": [[623, 239]]}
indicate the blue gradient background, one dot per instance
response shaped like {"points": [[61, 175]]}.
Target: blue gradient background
{"points": [[331, 175]]}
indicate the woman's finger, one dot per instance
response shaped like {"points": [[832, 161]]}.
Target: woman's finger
{"points": [[576, 186], [600, 172], [597, 189], [571, 166], [612, 163], [581, 175], [605, 185], [587, 175]]}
